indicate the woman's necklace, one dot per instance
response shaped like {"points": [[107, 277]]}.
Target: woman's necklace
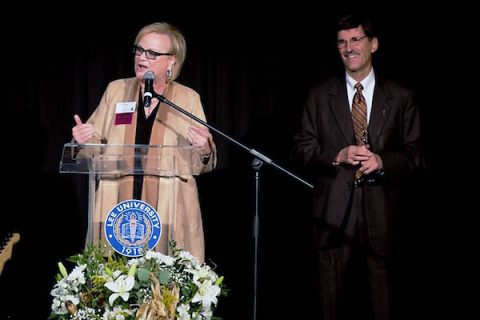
{"points": [[148, 110]]}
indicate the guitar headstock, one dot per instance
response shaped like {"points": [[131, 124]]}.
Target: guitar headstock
{"points": [[6, 246]]}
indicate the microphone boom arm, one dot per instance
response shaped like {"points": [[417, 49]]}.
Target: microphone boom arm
{"points": [[253, 152]]}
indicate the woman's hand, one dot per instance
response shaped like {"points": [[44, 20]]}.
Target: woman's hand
{"points": [[82, 132], [200, 138]]}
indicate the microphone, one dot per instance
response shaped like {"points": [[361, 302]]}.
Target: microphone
{"points": [[148, 91]]}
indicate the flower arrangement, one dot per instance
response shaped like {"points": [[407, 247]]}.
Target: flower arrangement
{"points": [[152, 287]]}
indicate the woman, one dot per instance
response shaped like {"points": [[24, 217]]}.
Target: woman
{"points": [[159, 48]]}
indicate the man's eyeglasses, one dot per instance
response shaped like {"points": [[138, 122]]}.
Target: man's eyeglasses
{"points": [[353, 41], [150, 54]]}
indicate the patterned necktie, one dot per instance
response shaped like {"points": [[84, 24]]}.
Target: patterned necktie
{"points": [[359, 118]]}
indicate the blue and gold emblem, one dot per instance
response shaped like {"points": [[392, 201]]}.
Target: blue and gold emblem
{"points": [[131, 226]]}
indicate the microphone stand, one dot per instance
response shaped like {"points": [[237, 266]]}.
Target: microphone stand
{"points": [[258, 161]]}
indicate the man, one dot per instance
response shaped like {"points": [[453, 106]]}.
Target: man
{"points": [[360, 137]]}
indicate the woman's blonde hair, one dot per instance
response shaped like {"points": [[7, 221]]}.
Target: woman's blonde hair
{"points": [[179, 46]]}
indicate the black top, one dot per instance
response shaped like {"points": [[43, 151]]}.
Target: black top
{"points": [[142, 136]]}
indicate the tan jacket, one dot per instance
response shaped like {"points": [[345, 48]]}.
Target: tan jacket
{"points": [[176, 199]]}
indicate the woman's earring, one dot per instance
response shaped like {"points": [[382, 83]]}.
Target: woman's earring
{"points": [[169, 74]]}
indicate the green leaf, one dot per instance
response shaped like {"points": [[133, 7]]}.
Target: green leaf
{"points": [[219, 281], [143, 275], [163, 276]]}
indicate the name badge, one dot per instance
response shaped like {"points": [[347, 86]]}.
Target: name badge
{"points": [[124, 112]]}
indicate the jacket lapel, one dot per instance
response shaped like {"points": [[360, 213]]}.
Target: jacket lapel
{"points": [[132, 93], [341, 111]]}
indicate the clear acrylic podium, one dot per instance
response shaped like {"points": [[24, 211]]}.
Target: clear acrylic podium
{"points": [[109, 165]]}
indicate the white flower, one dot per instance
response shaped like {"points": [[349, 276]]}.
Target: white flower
{"points": [[203, 272], [121, 286], [160, 258], [188, 257], [206, 314], [207, 293], [182, 310], [117, 314], [189, 290]]}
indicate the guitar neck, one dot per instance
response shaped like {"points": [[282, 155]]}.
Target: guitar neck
{"points": [[6, 247]]}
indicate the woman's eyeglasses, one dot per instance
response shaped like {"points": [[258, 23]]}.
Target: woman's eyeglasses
{"points": [[150, 54]]}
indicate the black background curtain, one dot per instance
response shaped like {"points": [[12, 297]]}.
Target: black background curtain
{"points": [[252, 71]]}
